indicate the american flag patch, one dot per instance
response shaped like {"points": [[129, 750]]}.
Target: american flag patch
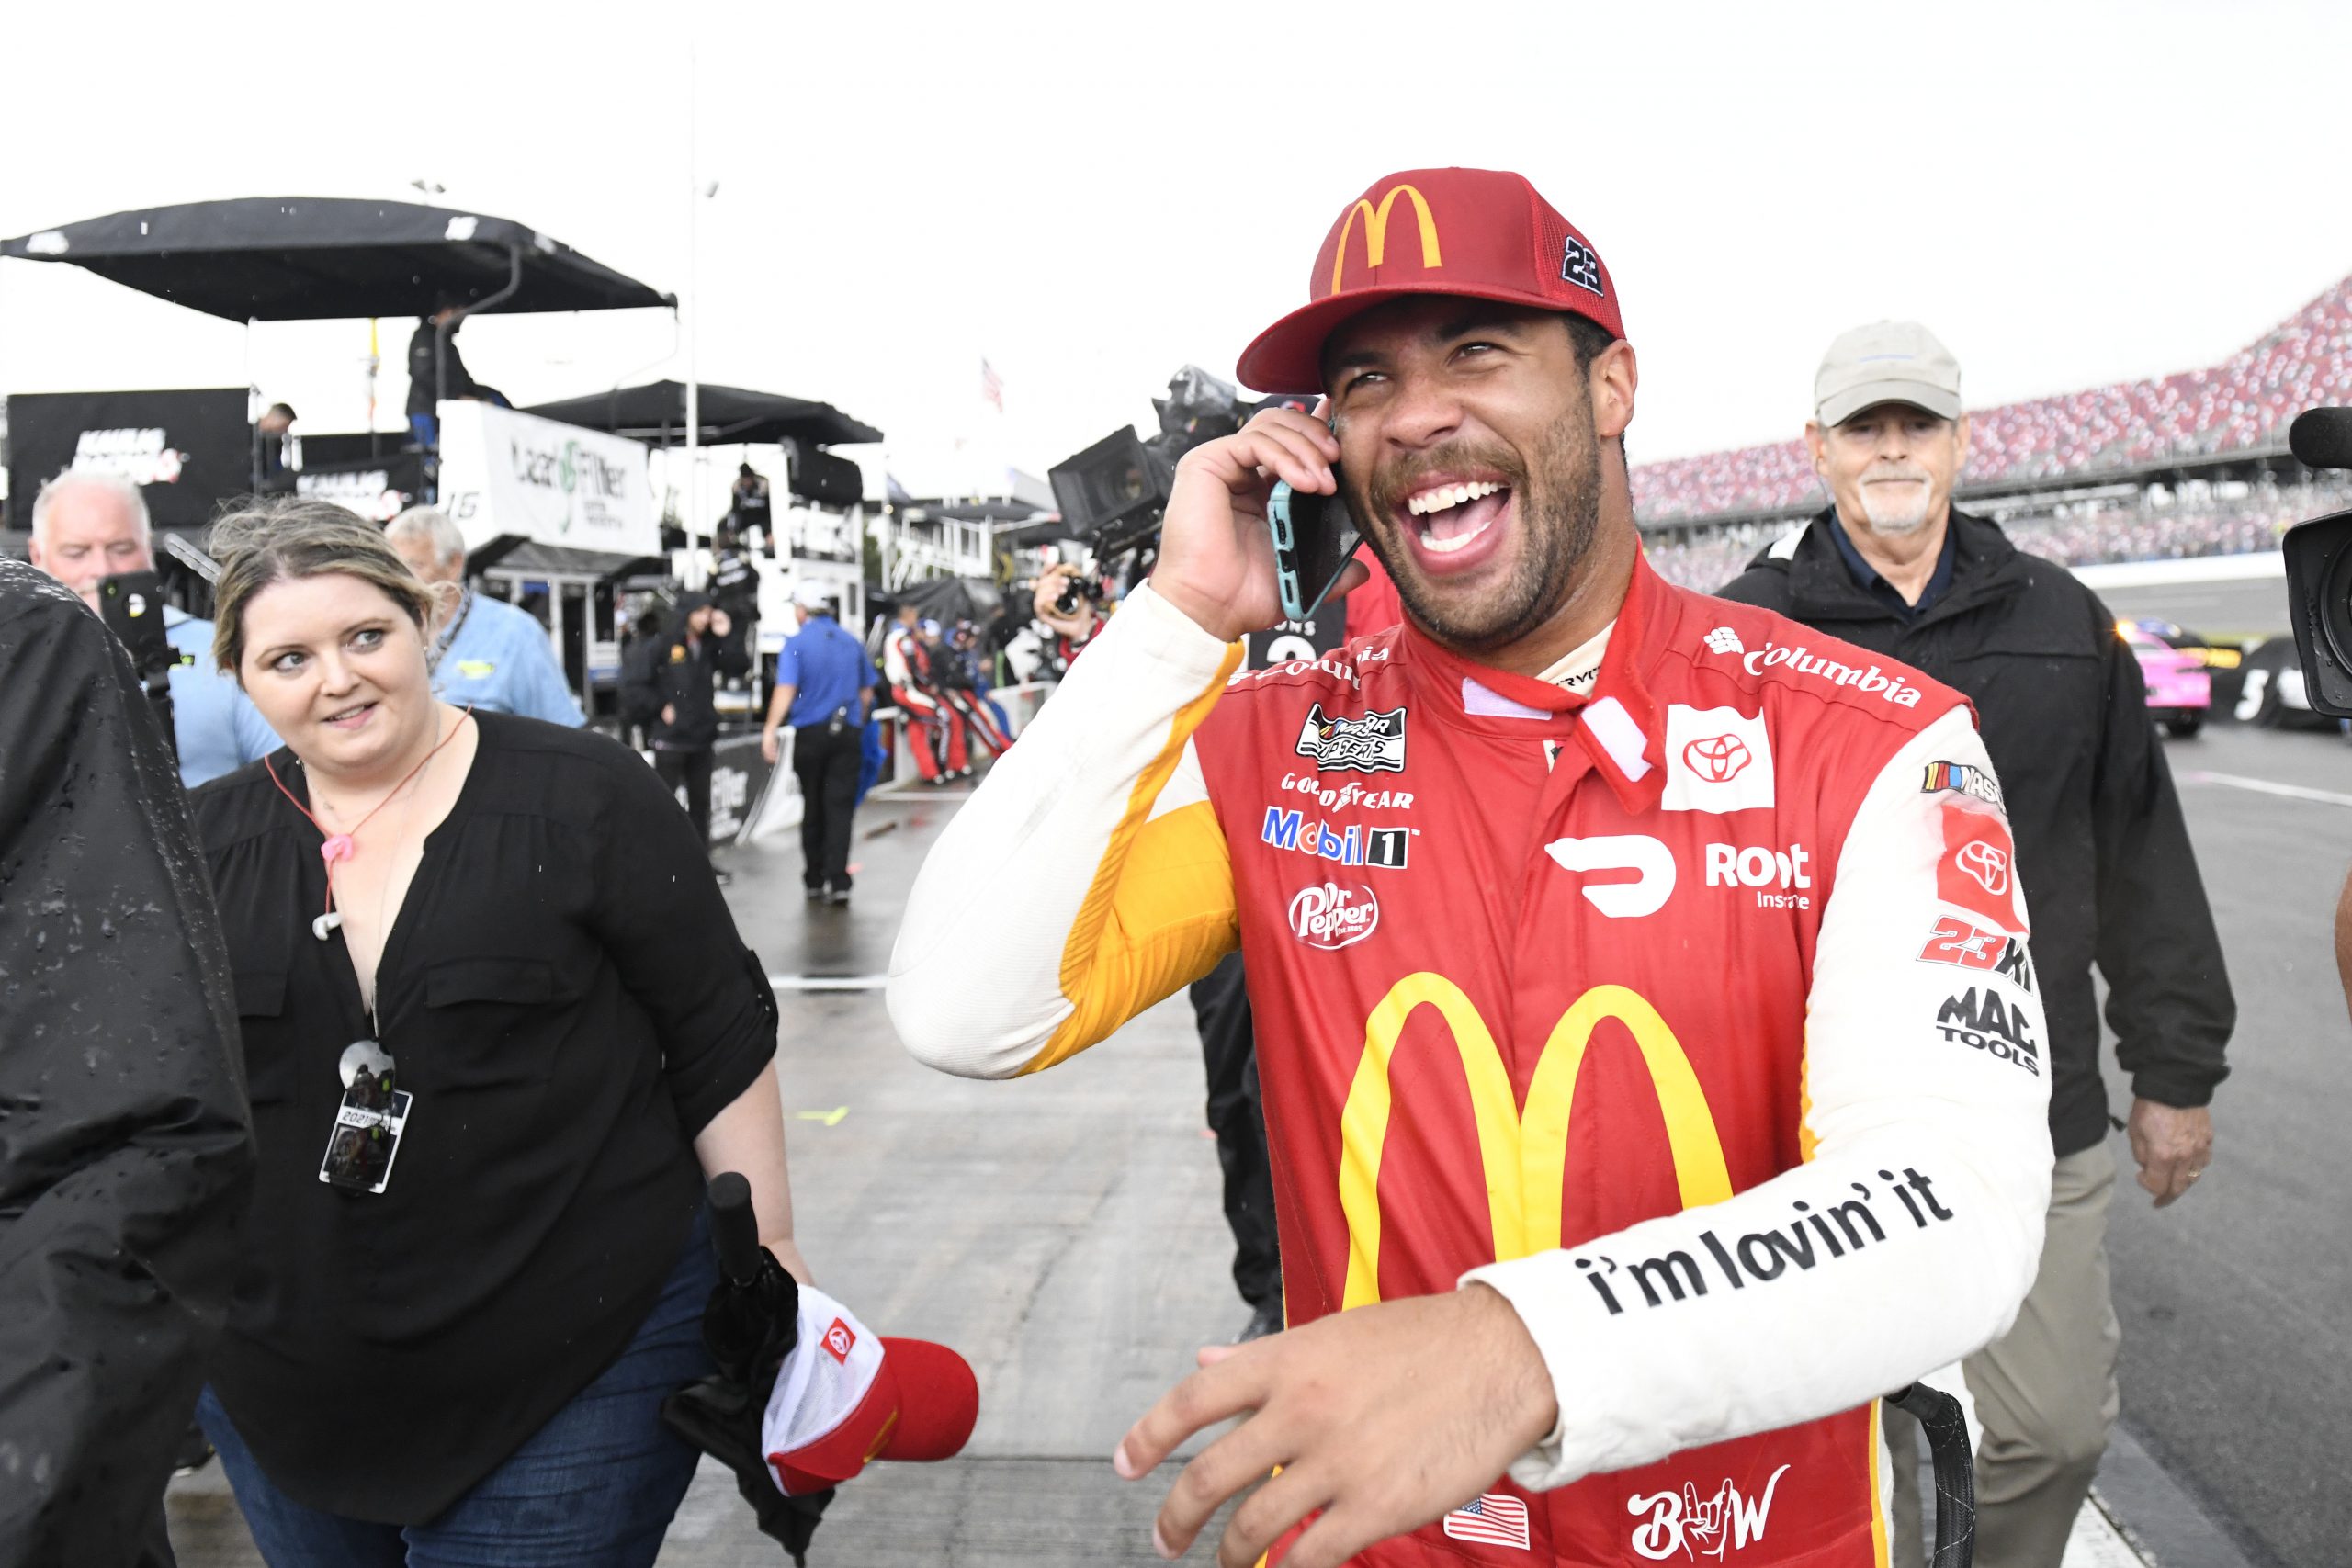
{"points": [[1491, 1518]]}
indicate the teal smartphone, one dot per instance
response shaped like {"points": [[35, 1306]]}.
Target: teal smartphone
{"points": [[1314, 540]]}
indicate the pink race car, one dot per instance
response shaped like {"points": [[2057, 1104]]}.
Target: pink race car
{"points": [[2180, 693]]}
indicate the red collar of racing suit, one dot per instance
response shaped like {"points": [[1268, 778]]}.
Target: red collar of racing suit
{"points": [[1618, 724]]}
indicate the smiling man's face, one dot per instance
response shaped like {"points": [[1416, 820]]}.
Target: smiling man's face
{"points": [[1472, 458], [1891, 467]]}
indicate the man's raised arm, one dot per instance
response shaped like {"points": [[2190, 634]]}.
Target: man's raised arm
{"points": [[1088, 878]]}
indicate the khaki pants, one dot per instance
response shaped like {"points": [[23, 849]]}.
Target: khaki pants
{"points": [[2045, 1392]]}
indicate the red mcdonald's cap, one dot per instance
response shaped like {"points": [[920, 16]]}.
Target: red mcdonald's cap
{"points": [[1482, 233]]}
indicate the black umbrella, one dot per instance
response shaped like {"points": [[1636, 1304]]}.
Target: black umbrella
{"points": [[321, 258], [656, 413], [749, 1327]]}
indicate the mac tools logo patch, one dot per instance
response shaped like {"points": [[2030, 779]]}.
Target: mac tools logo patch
{"points": [[1716, 760], [1372, 744]]}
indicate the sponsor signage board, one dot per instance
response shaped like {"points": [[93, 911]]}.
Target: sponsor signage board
{"points": [[186, 450], [504, 472]]}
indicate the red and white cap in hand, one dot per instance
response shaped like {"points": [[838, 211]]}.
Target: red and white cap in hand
{"points": [[847, 1396]]}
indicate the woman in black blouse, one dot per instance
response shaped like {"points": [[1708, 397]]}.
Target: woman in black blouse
{"points": [[497, 1026]]}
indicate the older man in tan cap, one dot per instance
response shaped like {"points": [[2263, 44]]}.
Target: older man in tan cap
{"points": [[2102, 855]]}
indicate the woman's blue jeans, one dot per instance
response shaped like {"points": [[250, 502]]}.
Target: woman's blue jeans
{"points": [[594, 1488]]}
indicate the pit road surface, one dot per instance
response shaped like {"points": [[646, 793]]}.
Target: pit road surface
{"points": [[1064, 1232]]}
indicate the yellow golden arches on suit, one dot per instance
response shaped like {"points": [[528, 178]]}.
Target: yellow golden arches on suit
{"points": [[1375, 233], [1525, 1158]]}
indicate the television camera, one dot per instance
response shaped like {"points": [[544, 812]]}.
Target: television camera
{"points": [[2319, 569], [1114, 494]]}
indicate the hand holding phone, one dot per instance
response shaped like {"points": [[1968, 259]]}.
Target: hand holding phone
{"points": [[1315, 538], [1216, 554]]}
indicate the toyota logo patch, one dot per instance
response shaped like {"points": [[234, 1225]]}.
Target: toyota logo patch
{"points": [[1988, 865], [1717, 758]]}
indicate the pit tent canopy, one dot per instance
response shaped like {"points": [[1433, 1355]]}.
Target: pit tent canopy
{"points": [[327, 259], [655, 414]]}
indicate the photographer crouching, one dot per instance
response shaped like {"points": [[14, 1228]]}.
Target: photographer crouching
{"points": [[1546, 1106]]}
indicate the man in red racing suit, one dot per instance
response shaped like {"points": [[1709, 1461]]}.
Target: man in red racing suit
{"points": [[1648, 1038]]}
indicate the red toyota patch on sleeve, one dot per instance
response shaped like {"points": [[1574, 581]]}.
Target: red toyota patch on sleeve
{"points": [[1978, 870]]}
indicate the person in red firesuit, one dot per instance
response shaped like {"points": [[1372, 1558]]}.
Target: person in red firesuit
{"points": [[1649, 1040]]}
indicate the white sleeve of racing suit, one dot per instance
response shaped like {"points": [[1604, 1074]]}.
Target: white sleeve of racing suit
{"points": [[894, 659], [1085, 878], [1905, 1242]]}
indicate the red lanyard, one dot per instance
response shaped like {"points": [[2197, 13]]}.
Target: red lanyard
{"points": [[339, 846]]}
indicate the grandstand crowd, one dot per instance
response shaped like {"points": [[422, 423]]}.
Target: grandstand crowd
{"points": [[2244, 404], [2156, 525]]}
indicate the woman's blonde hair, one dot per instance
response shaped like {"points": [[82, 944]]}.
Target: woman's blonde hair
{"points": [[297, 536]]}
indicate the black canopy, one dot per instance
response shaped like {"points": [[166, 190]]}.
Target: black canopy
{"points": [[319, 258], [656, 413]]}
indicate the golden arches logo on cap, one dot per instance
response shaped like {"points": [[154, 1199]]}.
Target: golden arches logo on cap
{"points": [[1375, 233], [1475, 233]]}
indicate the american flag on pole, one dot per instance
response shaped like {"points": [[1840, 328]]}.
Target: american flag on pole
{"points": [[1492, 1518], [991, 385]]}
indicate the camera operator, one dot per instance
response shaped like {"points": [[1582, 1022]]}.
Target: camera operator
{"points": [[88, 528], [1523, 800], [1072, 629], [126, 1156]]}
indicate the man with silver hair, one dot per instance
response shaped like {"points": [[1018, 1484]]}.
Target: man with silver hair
{"points": [[89, 526], [488, 654], [2103, 857]]}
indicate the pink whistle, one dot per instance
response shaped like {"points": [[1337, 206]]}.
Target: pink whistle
{"points": [[337, 848]]}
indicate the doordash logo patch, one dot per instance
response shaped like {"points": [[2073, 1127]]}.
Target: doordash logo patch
{"points": [[1651, 861]]}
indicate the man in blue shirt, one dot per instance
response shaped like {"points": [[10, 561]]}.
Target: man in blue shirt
{"points": [[488, 654], [88, 527], [824, 688]]}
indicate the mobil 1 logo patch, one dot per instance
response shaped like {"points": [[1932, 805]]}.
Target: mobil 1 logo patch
{"points": [[1579, 265], [1372, 744], [1980, 1021]]}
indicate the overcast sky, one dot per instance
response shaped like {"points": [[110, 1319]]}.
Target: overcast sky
{"points": [[1092, 196]]}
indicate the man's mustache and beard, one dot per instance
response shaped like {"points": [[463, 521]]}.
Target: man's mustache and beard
{"points": [[1900, 506], [1556, 513]]}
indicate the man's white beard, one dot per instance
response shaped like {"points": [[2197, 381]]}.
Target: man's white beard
{"points": [[1897, 508]]}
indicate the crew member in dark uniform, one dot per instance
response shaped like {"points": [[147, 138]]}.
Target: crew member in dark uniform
{"points": [[673, 698], [435, 371]]}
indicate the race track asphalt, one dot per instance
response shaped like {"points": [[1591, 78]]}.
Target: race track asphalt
{"points": [[2236, 1302]]}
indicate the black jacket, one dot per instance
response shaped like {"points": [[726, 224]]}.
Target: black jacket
{"points": [[125, 1154], [2109, 873], [451, 380], [680, 674]]}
